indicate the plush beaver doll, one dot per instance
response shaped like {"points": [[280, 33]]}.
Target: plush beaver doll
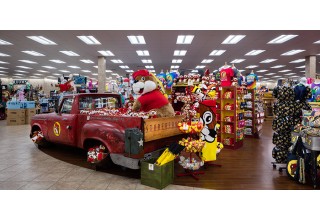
{"points": [[150, 97]]}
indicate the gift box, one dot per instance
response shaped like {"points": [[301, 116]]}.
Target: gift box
{"points": [[229, 119], [156, 176], [228, 141]]}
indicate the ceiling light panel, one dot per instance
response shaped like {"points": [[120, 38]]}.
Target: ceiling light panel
{"points": [[270, 74], [237, 61], [86, 71], [261, 71], [174, 67], [91, 40], [64, 71], [317, 42], [94, 74], [300, 67], [276, 76], [207, 61], [179, 53], [284, 71], [3, 71], [33, 53], [42, 40], [268, 60], [177, 61], [3, 67], [87, 61], [49, 67], [251, 66], [28, 61], [185, 39], [254, 52], [149, 67], [200, 67], [24, 67], [42, 71], [124, 67], [136, 39], [4, 55], [290, 74], [298, 61], [108, 71], [143, 53], [217, 52], [282, 38], [57, 61], [152, 71], [70, 53], [106, 53], [146, 61], [2, 62], [129, 71], [278, 66], [74, 67], [292, 52], [233, 39], [21, 71], [3, 42], [194, 71], [116, 61]]}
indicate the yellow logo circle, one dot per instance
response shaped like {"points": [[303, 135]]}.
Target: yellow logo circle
{"points": [[56, 129]]}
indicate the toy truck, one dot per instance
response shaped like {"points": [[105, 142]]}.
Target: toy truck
{"points": [[78, 122]]}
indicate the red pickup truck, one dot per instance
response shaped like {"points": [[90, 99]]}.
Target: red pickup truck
{"points": [[79, 122]]}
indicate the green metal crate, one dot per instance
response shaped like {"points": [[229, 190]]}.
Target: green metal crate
{"points": [[157, 176]]}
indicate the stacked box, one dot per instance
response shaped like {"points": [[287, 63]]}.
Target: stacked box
{"points": [[29, 113], [16, 116]]}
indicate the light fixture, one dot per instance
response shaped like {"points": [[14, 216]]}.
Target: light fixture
{"points": [[143, 53], [3, 42], [282, 38], [57, 74], [251, 66], [38, 74], [200, 67], [74, 67], [116, 61], [269, 74], [3, 67], [268, 60], [64, 71], [149, 67], [206, 61], [254, 52], [303, 71], [217, 52], [33, 53], [238, 70], [136, 39], [261, 71], [114, 74], [276, 76], [298, 61], [95, 67], [295, 76], [289, 74], [4, 55], [292, 52], [21, 71], [86, 71], [106, 53], [194, 71], [284, 71], [94, 74], [69, 53], [3, 71], [18, 74], [278, 66], [49, 67], [34, 76], [237, 61], [89, 40], [108, 71], [124, 67], [174, 67], [317, 42], [57, 61], [2, 62], [152, 71], [265, 78], [28, 61], [179, 53], [177, 61], [129, 71], [233, 39], [300, 67], [87, 61], [42, 40], [24, 67], [146, 61], [185, 39], [42, 71]]}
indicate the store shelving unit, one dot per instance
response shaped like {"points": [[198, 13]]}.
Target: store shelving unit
{"points": [[230, 120]]}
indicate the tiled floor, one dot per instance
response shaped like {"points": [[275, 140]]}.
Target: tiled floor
{"points": [[25, 167]]}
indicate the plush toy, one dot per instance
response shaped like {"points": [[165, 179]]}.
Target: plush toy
{"points": [[150, 98]]}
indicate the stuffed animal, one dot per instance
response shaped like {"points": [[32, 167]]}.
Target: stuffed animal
{"points": [[150, 98]]}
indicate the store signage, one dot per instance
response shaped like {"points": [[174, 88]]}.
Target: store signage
{"points": [[19, 82]]}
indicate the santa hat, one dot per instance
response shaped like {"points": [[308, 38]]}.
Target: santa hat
{"points": [[207, 72], [140, 73], [211, 104]]}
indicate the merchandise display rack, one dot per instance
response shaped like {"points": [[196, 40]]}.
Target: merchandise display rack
{"points": [[231, 131]]}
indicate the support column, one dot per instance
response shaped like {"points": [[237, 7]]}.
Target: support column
{"points": [[311, 64], [101, 74]]}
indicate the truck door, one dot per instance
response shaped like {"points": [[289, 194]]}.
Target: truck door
{"points": [[62, 126]]}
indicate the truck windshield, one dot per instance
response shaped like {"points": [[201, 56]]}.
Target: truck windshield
{"points": [[95, 102]]}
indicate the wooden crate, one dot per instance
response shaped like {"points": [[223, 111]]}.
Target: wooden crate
{"points": [[158, 128]]}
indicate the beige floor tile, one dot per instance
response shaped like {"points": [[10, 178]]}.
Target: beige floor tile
{"points": [[53, 176], [18, 167], [43, 185], [65, 185], [25, 176], [4, 175], [178, 187], [77, 175], [4, 166], [94, 185], [144, 187], [100, 176], [122, 186], [12, 185]]}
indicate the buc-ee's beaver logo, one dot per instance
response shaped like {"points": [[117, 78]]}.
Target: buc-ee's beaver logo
{"points": [[56, 129]]}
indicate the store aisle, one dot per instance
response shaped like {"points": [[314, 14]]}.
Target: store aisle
{"points": [[23, 166]]}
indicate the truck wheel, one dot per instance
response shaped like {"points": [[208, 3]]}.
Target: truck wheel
{"points": [[38, 142]]}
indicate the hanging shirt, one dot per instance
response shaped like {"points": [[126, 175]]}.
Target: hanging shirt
{"points": [[300, 92], [251, 79], [226, 77], [152, 100]]}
